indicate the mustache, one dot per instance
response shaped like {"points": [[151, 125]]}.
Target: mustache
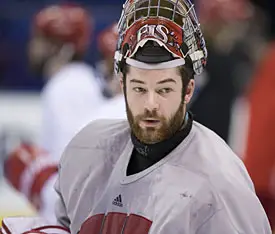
{"points": [[150, 114]]}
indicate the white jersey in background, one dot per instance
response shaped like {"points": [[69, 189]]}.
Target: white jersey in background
{"points": [[113, 108], [68, 98], [42, 167]]}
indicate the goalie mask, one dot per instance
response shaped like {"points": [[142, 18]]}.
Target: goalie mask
{"points": [[155, 26]]}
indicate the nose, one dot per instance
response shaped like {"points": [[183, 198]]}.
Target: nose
{"points": [[151, 102]]}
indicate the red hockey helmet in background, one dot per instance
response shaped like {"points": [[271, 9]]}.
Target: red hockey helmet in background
{"points": [[224, 10], [66, 24], [107, 40]]}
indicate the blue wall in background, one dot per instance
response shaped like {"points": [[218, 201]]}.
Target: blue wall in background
{"points": [[15, 19]]}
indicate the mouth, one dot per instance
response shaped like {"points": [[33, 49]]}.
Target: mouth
{"points": [[150, 122]]}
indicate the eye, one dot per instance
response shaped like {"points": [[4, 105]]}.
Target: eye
{"points": [[164, 91], [139, 90]]}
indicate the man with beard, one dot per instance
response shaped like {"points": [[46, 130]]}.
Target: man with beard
{"points": [[159, 172]]}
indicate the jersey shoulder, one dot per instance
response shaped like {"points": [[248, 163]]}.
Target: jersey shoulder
{"points": [[208, 156], [107, 136]]}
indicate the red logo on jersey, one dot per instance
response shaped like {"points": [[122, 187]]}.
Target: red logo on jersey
{"points": [[116, 223]]}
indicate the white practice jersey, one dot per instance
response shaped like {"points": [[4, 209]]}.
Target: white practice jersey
{"points": [[201, 187], [69, 99], [114, 108]]}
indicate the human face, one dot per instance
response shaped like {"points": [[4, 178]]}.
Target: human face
{"points": [[155, 104]]}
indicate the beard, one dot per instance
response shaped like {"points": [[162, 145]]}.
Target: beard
{"points": [[152, 135]]}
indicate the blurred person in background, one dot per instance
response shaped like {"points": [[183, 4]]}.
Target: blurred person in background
{"points": [[259, 148], [59, 40], [256, 111], [250, 81], [31, 170], [19, 206], [60, 37], [237, 32], [113, 108], [225, 24], [106, 44], [12, 201]]}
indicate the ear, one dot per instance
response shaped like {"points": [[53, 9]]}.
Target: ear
{"points": [[189, 91]]}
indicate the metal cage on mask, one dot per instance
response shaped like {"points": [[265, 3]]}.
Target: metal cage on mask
{"points": [[173, 24]]}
